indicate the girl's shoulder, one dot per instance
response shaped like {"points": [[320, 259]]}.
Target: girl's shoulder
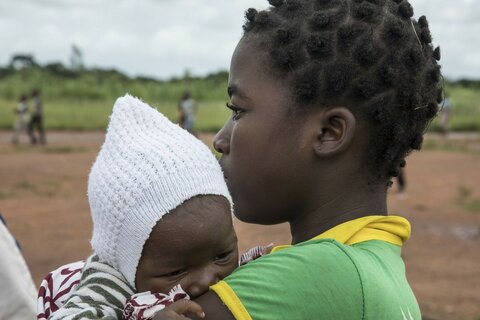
{"points": [[319, 270], [302, 261]]}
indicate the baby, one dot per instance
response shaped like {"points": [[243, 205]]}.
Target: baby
{"points": [[162, 218]]}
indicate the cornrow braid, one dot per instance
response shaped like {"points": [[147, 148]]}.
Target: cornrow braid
{"points": [[368, 55]]}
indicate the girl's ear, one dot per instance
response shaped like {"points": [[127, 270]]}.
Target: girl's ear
{"points": [[335, 131]]}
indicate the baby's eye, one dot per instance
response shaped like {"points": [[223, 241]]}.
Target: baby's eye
{"points": [[223, 257], [173, 273]]}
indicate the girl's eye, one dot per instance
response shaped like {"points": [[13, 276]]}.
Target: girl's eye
{"points": [[223, 257], [236, 112]]}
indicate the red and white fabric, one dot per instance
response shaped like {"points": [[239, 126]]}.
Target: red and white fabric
{"points": [[57, 287]]}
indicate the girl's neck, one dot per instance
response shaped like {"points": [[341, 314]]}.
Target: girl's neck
{"points": [[343, 207]]}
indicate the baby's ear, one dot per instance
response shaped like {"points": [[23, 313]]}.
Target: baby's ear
{"points": [[335, 131]]}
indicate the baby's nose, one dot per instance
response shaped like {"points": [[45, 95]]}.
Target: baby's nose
{"points": [[201, 283]]}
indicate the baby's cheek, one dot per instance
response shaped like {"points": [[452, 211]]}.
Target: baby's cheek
{"points": [[228, 270], [158, 285]]}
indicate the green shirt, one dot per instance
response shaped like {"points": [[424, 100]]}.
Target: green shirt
{"points": [[328, 277]]}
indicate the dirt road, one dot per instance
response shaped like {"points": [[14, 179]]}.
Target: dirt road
{"points": [[43, 197]]}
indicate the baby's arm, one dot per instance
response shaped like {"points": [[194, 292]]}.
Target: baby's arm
{"points": [[101, 294]]}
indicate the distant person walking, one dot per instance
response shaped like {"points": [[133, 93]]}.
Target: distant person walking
{"points": [[36, 120], [402, 183], [21, 121], [445, 115], [187, 108]]}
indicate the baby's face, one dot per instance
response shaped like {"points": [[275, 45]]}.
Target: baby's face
{"points": [[194, 245]]}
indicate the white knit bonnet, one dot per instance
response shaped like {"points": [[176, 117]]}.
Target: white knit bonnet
{"points": [[147, 167]]}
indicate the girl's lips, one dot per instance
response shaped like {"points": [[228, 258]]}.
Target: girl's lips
{"points": [[223, 170]]}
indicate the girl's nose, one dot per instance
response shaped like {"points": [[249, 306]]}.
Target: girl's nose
{"points": [[221, 142]]}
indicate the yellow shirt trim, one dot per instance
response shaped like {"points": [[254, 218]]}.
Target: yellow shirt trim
{"points": [[230, 299], [392, 229]]}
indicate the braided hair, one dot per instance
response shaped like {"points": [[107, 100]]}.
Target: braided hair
{"points": [[370, 56]]}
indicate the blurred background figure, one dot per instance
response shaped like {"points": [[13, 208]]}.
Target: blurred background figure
{"points": [[18, 294], [402, 183], [21, 118], [445, 115], [36, 119], [187, 108]]}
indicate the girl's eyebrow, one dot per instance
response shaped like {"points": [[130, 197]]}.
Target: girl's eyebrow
{"points": [[235, 90]]}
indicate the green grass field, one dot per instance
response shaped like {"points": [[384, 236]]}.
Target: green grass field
{"points": [[93, 115], [84, 100], [465, 109]]}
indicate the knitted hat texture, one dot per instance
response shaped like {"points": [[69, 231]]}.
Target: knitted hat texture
{"points": [[146, 167]]}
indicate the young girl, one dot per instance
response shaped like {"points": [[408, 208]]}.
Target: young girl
{"points": [[21, 122], [328, 97], [161, 218]]}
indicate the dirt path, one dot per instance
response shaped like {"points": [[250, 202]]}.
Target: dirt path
{"points": [[43, 197]]}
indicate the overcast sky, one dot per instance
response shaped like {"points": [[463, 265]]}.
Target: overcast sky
{"points": [[163, 38]]}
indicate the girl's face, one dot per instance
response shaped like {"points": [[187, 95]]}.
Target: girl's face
{"points": [[194, 245], [265, 151]]}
